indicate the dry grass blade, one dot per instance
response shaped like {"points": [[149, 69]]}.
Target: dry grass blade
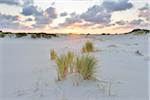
{"points": [[53, 54], [64, 62], [88, 47], [86, 66]]}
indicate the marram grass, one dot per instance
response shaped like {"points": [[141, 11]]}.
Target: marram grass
{"points": [[88, 47], [86, 66], [53, 54], [67, 63], [70, 57], [64, 62], [61, 67]]}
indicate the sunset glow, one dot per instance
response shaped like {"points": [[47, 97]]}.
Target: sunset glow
{"points": [[73, 16]]}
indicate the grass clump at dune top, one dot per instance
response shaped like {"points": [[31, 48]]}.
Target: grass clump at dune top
{"points": [[2, 35], [88, 47], [61, 67], [18, 35], [53, 54], [86, 66], [64, 63], [68, 63]]}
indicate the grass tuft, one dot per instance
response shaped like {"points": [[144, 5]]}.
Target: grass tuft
{"points": [[86, 66], [53, 54], [67, 63], [64, 62], [88, 47]]}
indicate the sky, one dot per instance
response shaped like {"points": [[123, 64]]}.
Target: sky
{"points": [[74, 16]]}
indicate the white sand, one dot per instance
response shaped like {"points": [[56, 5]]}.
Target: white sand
{"points": [[27, 73]]}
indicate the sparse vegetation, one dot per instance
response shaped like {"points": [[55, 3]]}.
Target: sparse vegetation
{"points": [[64, 62], [53, 54], [18, 35], [61, 67], [86, 66], [70, 58], [2, 35], [88, 47], [33, 35], [139, 31]]}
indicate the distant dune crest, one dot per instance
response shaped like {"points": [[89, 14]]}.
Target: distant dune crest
{"points": [[50, 35]]}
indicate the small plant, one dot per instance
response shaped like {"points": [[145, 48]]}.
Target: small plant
{"points": [[53, 54], [18, 35], [2, 35], [61, 67], [64, 62], [33, 36], [86, 66], [88, 47], [71, 58], [84, 49]]}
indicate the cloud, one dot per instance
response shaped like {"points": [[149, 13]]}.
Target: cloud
{"points": [[45, 17], [31, 10], [11, 2], [4, 17], [70, 21], [136, 22], [10, 22], [94, 15], [42, 18], [87, 24], [29, 19], [51, 12], [100, 14], [121, 22], [120, 5], [17, 2], [63, 14], [73, 14], [41, 21], [27, 2], [97, 15], [144, 12]]}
